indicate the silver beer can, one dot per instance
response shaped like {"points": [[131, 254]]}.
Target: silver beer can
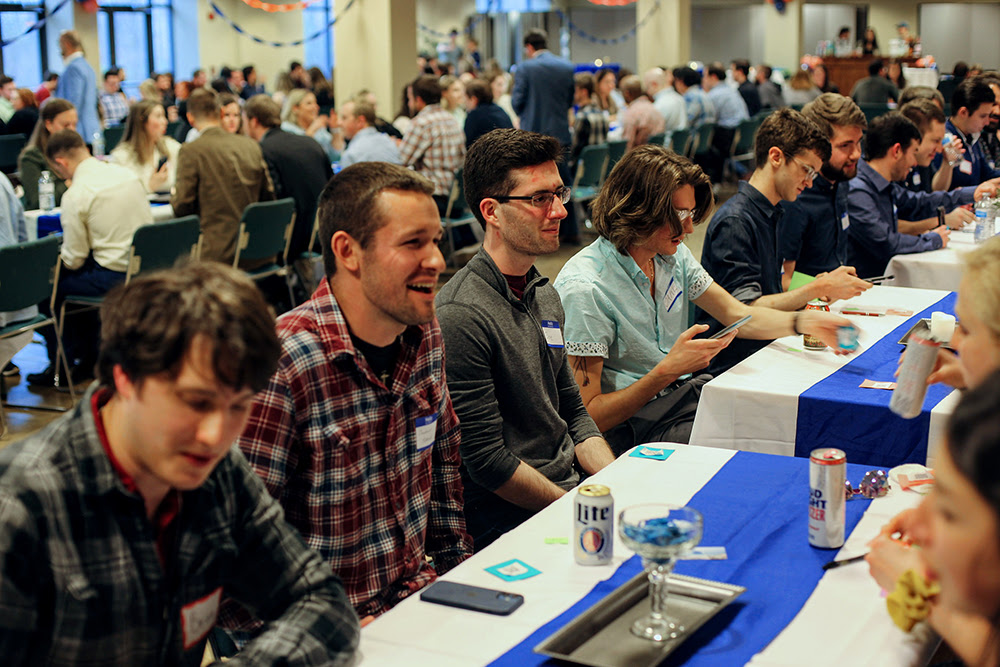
{"points": [[593, 525], [827, 502], [911, 387]]}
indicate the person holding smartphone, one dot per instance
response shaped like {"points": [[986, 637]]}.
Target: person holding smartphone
{"points": [[628, 300], [145, 148]]}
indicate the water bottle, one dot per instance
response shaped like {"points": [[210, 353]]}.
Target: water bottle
{"points": [[984, 219], [950, 154], [97, 144], [46, 192]]}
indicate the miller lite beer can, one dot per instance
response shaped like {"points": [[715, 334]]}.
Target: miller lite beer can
{"points": [[593, 525], [827, 502]]}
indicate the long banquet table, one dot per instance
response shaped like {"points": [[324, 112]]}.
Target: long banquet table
{"points": [[935, 269], [755, 406], [840, 619], [160, 212]]}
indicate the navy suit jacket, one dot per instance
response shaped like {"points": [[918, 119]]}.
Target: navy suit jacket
{"points": [[543, 95], [78, 84]]}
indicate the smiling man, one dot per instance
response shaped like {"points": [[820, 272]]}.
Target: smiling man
{"points": [[355, 434], [628, 303], [124, 523], [741, 247], [971, 106], [524, 428]]}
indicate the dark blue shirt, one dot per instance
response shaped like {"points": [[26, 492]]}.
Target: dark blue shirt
{"points": [[484, 118], [741, 254], [813, 229], [973, 168], [875, 206], [919, 179]]}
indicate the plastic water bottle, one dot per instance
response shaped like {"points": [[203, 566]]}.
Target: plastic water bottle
{"points": [[46, 192], [97, 144], [950, 154], [984, 219]]}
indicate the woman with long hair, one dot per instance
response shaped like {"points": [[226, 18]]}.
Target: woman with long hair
{"points": [[300, 115], [801, 90], [56, 114], [896, 73], [605, 82], [869, 43], [25, 113], [145, 149], [821, 79], [231, 113]]}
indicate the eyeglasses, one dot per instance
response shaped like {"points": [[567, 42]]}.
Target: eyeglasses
{"points": [[684, 214], [540, 199], [810, 172]]}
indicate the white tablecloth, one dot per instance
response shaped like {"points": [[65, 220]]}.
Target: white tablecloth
{"points": [[937, 269], [754, 406], [418, 633], [161, 212]]}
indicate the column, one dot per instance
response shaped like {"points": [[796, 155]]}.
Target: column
{"points": [[783, 35], [665, 40], [375, 47]]}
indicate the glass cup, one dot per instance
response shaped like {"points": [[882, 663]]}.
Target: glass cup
{"points": [[660, 533]]}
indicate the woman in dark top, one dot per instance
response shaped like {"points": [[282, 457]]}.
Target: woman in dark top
{"points": [[25, 113], [869, 43], [896, 73], [56, 114], [822, 79]]}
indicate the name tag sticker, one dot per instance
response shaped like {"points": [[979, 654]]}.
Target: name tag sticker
{"points": [[965, 167], [198, 617], [553, 334], [916, 178], [426, 431], [673, 293], [844, 221]]}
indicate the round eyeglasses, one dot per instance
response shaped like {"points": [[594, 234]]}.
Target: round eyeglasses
{"points": [[539, 199]]}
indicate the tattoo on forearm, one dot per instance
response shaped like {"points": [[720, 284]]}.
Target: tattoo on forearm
{"points": [[581, 365]]}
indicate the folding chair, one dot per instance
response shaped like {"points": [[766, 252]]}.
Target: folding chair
{"points": [[457, 214], [266, 232], [616, 150], [680, 142], [873, 111], [659, 139], [703, 139], [10, 148], [590, 171], [29, 273], [112, 137]]}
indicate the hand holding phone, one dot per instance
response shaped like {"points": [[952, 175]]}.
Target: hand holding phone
{"points": [[472, 598], [735, 325], [163, 161]]}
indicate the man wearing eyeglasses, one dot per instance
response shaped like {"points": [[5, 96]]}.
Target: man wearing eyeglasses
{"points": [[525, 430], [741, 247]]}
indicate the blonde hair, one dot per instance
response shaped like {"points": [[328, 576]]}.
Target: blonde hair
{"points": [[293, 100], [982, 268]]}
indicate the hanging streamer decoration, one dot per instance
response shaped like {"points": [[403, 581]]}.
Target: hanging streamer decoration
{"points": [[601, 40], [267, 42], [468, 29], [36, 25], [273, 7]]}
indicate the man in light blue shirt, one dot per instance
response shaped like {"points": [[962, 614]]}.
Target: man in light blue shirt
{"points": [[357, 118], [627, 299], [660, 86], [700, 110], [730, 110], [78, 84]]}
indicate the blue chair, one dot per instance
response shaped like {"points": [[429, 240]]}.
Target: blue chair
{"points": [[457, 214], [590, 171], [265, 233]]}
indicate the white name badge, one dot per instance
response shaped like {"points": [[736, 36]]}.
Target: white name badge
{"points": [[916, 178], [965, 167], [553, 334], [845, 221], [673, 292], [198, 617], [426, 431]]}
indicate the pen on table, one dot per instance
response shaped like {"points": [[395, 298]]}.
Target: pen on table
{"points": [[847, 561], [878, 279]]}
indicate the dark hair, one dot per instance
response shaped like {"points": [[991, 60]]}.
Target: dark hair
{"points": [[831, 109], [247, 71], [427, 88], [972, 93], [480, 90], [4, 80], [875, 66], [536, 39], [961, 70], [149, 325], [264, 109], [51, 108], [294, 65], [846, 29], [766, 70], [921, 93], [584, 80], [888, 130], [202, 103], [64, 141], [688, 76], [135, 135], [52, 76], [491, 159], [790, 131], [349, 202], [922, 112], [636, 198], [225, 72], [114, 71], [717, 71], [742, 65]]}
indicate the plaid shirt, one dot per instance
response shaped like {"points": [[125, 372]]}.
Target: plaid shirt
{"points": [[114, 106], [81, 581], [590, 127], [434, 145], [339, 450]]}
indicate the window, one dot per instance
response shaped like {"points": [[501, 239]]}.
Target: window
{"points": [[137, 36], [319, 51], [25, 60]]}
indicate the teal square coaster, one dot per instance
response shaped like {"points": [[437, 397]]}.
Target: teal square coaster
{"points": [[653, 453], [513, 570]]}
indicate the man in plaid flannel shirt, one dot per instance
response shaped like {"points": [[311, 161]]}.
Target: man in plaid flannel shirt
{"points": [[355, 434], [124, 523]]}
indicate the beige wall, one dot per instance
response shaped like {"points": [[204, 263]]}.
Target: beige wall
{"points": [[885, 14], [662, 41], [442, 16]]}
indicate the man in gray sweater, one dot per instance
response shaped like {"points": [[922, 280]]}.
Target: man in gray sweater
{"points": [[525, 431]]}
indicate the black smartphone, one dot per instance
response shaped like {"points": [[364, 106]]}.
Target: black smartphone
{"points": [[163, 161], [735, 325], [473, 598]]}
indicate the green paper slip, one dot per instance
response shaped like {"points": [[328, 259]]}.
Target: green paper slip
{"points": [[800, 280]]}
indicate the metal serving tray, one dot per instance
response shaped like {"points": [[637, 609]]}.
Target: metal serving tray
{"points": [[601, 636], [924, 327]]}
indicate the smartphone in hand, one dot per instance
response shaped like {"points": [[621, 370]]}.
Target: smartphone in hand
{"points": [[735, 325]]}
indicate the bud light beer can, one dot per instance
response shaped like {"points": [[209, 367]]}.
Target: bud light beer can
{"points": [[593, 525], [811, 342], [827, 502], [911, 386]]}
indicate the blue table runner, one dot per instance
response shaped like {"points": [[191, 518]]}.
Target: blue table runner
{"points": [[835, 412], [755, 506]]}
